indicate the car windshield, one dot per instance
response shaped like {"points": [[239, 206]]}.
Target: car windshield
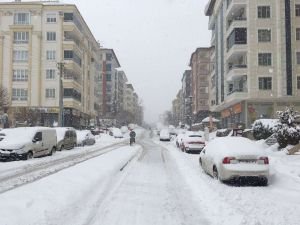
{"points": [[106, 107]]}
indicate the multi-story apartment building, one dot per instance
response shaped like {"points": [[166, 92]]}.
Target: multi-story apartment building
{"points": [[121, 88], [35, 37], [108, 84], [200, 67], [186, 107], [177, 105], [257, 58], [128, 99]]}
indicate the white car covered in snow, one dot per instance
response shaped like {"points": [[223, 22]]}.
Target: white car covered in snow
{"points": [[27, 142], [85, 137], [232, 158], [115, 132], [192, 142], [164, 135]]}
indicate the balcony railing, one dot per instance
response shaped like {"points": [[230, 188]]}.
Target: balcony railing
{"points": [[237, 90], [236, 19], [236, 66]]}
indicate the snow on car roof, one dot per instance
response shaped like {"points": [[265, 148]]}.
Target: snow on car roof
{"points": [[233, 146], [13, 137]]}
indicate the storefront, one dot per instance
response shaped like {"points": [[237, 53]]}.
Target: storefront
{"points": [[232, 117]]}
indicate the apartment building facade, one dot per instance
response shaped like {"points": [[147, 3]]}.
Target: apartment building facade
{"points": [[108, 83], [186, 100], [35, 38], [256, 58], [200, 70]]}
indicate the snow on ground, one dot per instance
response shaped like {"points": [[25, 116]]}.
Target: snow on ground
{"points": [[101, 141], [276, 204], [59, 197]]}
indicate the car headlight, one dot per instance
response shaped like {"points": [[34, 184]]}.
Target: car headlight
{"points": [[20, 150]]}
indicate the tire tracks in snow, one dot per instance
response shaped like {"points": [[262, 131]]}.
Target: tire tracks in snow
{"points": [[30, 174]]}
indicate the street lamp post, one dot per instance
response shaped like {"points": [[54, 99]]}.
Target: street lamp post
{"points": [[61, 66]]}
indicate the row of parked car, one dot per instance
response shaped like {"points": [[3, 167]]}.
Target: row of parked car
{"points": [[28, 142], [231, 156]]}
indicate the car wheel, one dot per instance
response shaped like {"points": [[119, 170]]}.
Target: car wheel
{"points": [[264, 182], [29, 155], [215, 173]]}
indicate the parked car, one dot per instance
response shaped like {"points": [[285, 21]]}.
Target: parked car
{"points": [[192, 142], [96, 131], [66, 138], [115, 132], [164, 135], [27, 142], [231, 158], [85, 137]]}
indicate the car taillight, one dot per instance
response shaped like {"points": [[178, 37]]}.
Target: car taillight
{"points": [[264, 159], [228, 160]]}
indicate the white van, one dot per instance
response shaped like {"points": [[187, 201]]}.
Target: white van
{"points": [[27, 142]]}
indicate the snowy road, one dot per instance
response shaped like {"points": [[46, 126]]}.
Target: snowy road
{"points": [[150, 183], [149, 193]]}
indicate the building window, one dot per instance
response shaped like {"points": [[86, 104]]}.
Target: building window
{"points": [[297, 34], [68, 17], [51, 18], [263, 12], [108, 77], [51, 36], [21, 37], [19, 94], [108, 56], [20, 56], [108, 67], [298, 82], [264, 59], [265, 83], [297, 10], [298, 58], [50, 93], [68, 54], [51, 54], [50, 74], [20, 75], [264, 35], [22, 18]]}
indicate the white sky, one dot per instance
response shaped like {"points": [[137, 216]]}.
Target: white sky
{"points": [[153, 40]]}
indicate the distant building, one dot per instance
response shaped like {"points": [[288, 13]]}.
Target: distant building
{"points": [[186, 96], [109, 83], [200, 71]]}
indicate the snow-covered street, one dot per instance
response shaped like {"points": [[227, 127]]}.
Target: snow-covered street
{"points": [[151, 182]]}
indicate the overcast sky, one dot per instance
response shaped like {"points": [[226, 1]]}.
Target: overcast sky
{"points": [[153, 40]]}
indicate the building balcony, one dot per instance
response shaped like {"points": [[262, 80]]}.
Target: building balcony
{"points": [[235, 96], [240, 22], [236, 71], [234, 6], [72, 75]]}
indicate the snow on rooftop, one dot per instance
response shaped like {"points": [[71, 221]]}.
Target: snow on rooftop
{"points": [[207, 120]]}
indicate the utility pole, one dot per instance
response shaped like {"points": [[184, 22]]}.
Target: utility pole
{"points": [[61, 66]]}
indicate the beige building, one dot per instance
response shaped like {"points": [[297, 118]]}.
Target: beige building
{"points": [[34, 38], [256, 59], [200, 70]]}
